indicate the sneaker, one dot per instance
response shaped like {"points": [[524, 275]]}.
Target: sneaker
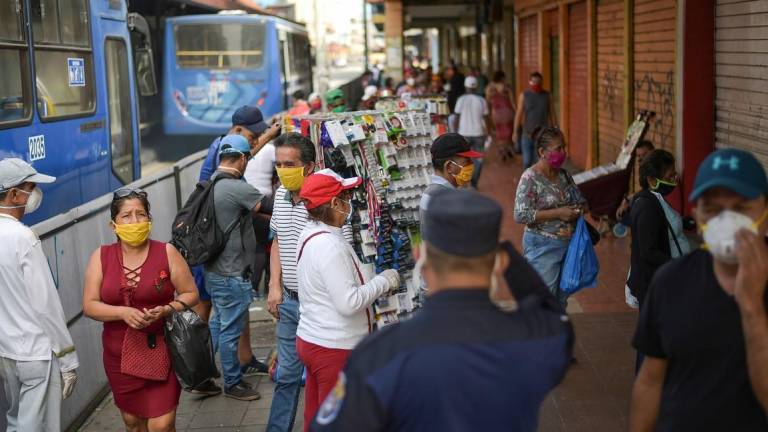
{"points": [[208, 388], [255, 367], [242, 391]]}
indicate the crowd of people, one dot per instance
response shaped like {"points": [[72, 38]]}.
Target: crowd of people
{"points": [[462, 362]]}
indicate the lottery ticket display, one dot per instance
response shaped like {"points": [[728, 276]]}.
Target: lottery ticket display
{"points": [[391, 152]]}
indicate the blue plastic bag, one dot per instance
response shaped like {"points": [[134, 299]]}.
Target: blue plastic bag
{"points": [[581, 267]]}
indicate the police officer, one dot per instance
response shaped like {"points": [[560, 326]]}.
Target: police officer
{"points": [[461, 364]]}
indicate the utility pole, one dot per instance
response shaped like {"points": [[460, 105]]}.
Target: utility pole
{"points": [[365, 33]]}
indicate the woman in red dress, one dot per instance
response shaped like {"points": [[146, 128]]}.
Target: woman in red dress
{"points": [[132, 285], [501, 98]]}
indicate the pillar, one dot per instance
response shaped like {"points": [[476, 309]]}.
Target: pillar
{"points": [[696, 88], [393, 35]]}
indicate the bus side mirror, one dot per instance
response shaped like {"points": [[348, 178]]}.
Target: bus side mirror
{"points": [[143, 61], [145, 72]]}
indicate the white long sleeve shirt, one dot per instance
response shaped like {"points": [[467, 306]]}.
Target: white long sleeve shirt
{"points": [[32, 323], [332, 300]]}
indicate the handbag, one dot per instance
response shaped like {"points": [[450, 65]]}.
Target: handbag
{"points": [[143, 355]]}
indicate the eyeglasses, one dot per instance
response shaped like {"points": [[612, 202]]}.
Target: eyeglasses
{"points": [[126, 192]]}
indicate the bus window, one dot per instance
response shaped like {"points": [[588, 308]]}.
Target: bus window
{"points": [[10, 16], [119, 101], [15, 95], [63, 58], [224, 46], [300, 56]]}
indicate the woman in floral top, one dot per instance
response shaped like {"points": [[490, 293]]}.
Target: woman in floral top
{"points": [[548, 203]]}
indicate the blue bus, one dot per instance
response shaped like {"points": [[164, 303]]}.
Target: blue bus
{"points": [[68, 94], [213, 64]]}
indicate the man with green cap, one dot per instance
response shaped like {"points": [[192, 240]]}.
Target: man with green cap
{"points": [[704, 328], [335, 101]]}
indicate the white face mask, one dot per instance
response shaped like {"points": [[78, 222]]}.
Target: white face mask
{"points": [[348, 218], [720, 234], [410, 82], [33, 203]]}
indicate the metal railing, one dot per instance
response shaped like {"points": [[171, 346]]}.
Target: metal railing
{"points": [[69, 239]]}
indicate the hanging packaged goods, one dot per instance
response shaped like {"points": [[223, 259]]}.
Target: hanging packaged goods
{"points": [[390, 151]]}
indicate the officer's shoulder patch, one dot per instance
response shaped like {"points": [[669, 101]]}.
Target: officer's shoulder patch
{"points": [[331, 406]]}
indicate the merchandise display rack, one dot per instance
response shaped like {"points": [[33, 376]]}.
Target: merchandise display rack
{"points": [[390, 151]]}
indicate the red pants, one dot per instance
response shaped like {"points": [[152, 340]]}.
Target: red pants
{"points": [[323, 367]]}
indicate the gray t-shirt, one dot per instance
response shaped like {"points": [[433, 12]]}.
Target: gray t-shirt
{"points": [[536, 107], [234, 198]]}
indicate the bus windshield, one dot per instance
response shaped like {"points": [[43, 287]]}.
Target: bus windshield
{"points": [[222, 46]]}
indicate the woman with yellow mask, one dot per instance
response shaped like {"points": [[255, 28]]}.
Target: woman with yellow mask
{"points": [[131, 285], [452, 160]]}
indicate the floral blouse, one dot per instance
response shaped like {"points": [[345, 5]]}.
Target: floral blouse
{"points": [[536, 192]]}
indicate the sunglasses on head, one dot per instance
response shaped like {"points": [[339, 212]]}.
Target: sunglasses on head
{"points": [[127, 192]]}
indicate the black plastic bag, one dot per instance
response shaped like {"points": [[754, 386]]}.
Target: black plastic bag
{"points": [[189, 343]]}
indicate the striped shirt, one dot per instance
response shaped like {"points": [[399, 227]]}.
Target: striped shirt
{"points": [[288, 221]]}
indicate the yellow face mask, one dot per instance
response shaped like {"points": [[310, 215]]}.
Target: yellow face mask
{"points": [[465, 175], [291, 178], [133, 234]]}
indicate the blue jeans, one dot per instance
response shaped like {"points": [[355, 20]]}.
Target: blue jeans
{"points": [[547, 256], [529, 151], [231, 296], [286, 398]]}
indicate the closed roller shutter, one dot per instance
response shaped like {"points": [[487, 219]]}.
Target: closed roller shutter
{"points": [[529, 44], [654, 77], [610, 78], [578, 133], [741, 77]]}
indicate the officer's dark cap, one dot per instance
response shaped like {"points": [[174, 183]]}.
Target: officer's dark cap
{"points": [[462, 222], [452, 144]]}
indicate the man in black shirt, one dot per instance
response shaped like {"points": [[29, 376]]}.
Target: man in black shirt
{"points": [[703, 326], [461, 364]]}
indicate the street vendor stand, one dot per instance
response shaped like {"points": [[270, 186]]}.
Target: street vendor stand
{"points": [[390, 151], [605, 186]]}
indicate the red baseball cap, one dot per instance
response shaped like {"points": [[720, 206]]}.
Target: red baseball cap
{"points": [[319, 188]]}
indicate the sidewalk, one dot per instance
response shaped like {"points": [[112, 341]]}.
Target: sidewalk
{"points": [[593, 397]]}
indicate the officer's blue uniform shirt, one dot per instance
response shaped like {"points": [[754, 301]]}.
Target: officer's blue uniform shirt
{"points": [[460, 364]]}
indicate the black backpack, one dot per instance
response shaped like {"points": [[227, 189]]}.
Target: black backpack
{"points": [[195, 232]]}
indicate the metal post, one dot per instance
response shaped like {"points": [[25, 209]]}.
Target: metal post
{"points": [[365, 33]]}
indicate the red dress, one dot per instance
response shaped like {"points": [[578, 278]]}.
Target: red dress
{"points": [[502, 113], [137, 396]]}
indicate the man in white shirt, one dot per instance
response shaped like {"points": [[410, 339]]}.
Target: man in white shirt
{"points": [[37, 356], [472, 112]]}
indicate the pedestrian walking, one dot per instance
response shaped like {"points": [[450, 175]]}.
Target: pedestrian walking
{"points": [[295, 159], [501, 98], [548, 202], [472, 115], [703, 327], [131, 286], [38, 361], [247, 121], [335, 297], [228, 276], [657, 228], [434, 371], [452, 160], [535, 110], [300, 105]]}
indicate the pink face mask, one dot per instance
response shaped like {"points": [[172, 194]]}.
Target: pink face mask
{"points": [[556, 159]]}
